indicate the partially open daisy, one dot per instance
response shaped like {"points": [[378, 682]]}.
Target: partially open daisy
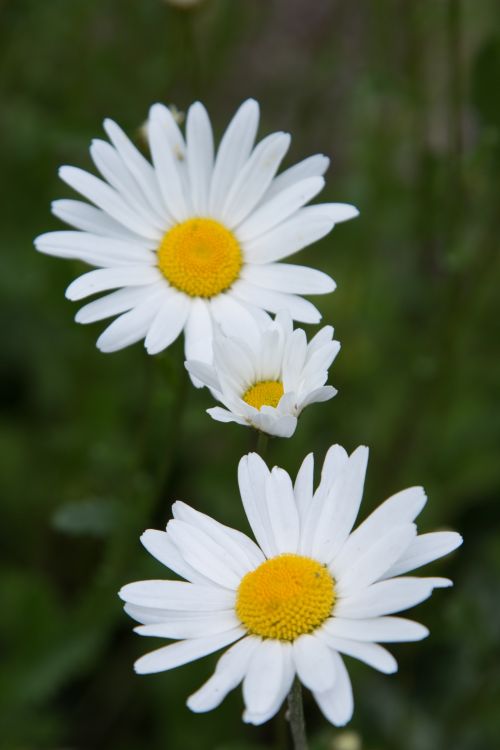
{"points": [[307, 592], [194, 237], [264, 380]]}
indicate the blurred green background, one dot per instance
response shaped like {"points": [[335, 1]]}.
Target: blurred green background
{"points": [[404, 96]]}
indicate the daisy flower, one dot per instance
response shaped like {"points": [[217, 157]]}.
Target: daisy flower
{"points": [[265, 380], [308, 592], [195, 236]]}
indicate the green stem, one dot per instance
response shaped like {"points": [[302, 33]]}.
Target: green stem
{"points": [[296, 717], [262, 443]]}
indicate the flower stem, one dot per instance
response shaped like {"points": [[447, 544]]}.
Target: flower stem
{"points": [[296, 717], [261, 443]]}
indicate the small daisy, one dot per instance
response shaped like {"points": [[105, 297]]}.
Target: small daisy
{"points": [[265, 380], [195, 236], [310, 590]]}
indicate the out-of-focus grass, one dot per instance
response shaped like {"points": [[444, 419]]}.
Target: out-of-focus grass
{"points": [[403, 97]]}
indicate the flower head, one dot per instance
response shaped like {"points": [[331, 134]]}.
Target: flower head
{"points": [[193, 238], [265, 377], [310, 590]]}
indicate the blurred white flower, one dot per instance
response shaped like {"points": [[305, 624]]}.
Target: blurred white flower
{"points": [[266, 378], [310, 590], [194, 237]]}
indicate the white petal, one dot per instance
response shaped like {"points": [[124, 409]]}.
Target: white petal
{"points": [[252, 478], [183, 652], [287, 676], [273, 424], [229, 672], [424, 549], [234, 318], [340, 508], [283, 513], [93, 249], [338, 212], [372, 562], [283, 277], [177, 595], [301, 230], [167, 162], [168, 322], [131, 326], [198, 332], [385, 598], [314, 662], [303, 487], [113, 304], [400, 508], [278, 209], [318, 396], [234, 150], [370, 653], [376, 629], [237, 544], [103, 279], [263, 680], [191, 627], [160, 546], [254, 178], [299, 309], [103, 196], [200, 156], [223, 415], [206, 555], [313, 166], [337, 704], [91, 219], [206, 374], [116, 174], [138, 166]]}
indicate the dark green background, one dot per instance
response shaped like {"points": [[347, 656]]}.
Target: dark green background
{"points": [[404, 96]]}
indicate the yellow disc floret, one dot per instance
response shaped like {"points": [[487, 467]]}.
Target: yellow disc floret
{"points": [[285, 597], [200, 257], [264, 393]]}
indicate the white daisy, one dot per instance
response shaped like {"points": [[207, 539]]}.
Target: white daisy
{"points": [[265, 380], [194, 237], [310, 590]]}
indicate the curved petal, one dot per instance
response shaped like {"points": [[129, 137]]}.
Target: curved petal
{"points": [[264, 678], [131, 326], [104, 197], [161, 547], [376, 629], [314, 662], [113, 304], [283, 514], [424, 549], [279, 208], [229, 672], [337, 704], [254, 178], [284, 277], [104, 279], [234, 150], [200, 156], [183, 652], [168, 322], [298, 308]]}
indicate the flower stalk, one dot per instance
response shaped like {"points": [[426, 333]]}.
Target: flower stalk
{"points": [[295, 716]]}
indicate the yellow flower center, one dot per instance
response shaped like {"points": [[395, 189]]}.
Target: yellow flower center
{"points": [[285, 597], [200, 257], [264, 393]]}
